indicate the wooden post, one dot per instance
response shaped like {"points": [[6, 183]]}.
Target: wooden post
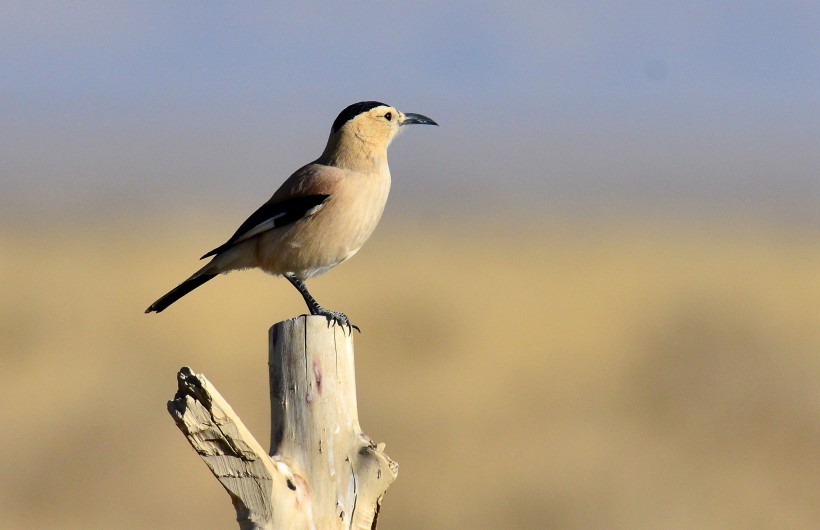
{"points": [[322, 471]]}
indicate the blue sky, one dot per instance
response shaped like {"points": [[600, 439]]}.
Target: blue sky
{"points": [[571, 105]]}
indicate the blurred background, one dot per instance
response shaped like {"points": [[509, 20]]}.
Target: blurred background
{"points": [[593, 301]]}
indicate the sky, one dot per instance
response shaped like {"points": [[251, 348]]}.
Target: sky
{"points": [[133, 107]]}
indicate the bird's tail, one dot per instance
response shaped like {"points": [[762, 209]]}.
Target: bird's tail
{"points": [[179, 291]]}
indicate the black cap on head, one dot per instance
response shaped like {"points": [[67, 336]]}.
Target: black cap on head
{"points": [[352, 111]]}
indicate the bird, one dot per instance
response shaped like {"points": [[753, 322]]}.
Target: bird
{"points": [[321, 215]]}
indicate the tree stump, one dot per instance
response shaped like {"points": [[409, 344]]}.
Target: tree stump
{"points": [[322, 472]]}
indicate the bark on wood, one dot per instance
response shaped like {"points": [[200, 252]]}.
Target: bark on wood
{"points": [[322, 471]]}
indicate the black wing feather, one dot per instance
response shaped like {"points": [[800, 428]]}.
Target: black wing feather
{"points": [[282, 213]]}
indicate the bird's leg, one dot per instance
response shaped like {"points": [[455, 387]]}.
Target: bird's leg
{"points": [[337, 317]]}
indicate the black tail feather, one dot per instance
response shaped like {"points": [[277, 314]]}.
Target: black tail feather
{"points": [[179, 291]]}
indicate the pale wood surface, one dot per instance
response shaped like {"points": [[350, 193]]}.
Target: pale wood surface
{"points": [[323, 472]]}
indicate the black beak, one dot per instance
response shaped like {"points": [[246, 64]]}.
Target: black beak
{"points": [[410, 119]]}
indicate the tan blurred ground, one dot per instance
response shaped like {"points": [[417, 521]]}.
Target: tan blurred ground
{"points": [[618, 375]]}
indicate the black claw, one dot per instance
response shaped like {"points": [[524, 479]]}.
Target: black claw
{"points": [[333, 317], [337, 317]]}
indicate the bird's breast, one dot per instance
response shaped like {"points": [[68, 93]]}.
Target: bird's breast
{"points": [[335, 232]]}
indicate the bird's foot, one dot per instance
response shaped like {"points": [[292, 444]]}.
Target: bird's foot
{"points": [[336, 317]]}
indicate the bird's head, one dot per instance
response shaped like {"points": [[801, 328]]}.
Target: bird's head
{"points": [[368, 127]]}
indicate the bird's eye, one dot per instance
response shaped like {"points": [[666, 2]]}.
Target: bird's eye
{"points": [[388, 116]]}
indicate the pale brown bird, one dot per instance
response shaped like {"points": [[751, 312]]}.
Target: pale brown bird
{"points": [[321, 215]]}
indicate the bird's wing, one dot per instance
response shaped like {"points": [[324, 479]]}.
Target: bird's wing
{"points": [[273, 215]]}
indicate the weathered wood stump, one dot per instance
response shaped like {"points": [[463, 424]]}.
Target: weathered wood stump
{"points": [[322, 472]]}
